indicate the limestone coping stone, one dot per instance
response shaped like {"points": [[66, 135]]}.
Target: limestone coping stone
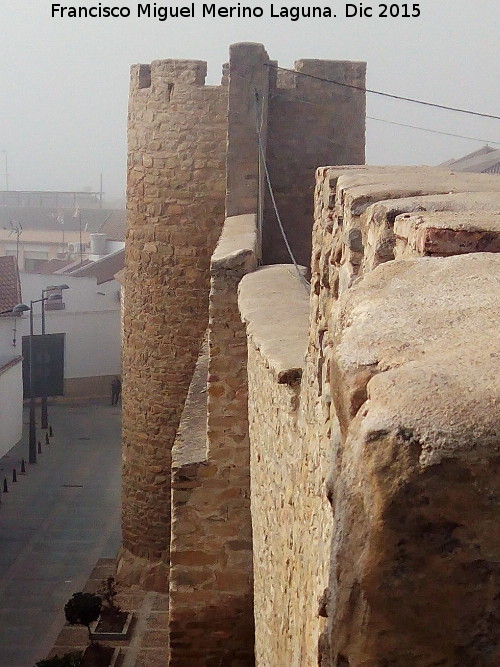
{"points": [[363, 186], [190, 443], [420, 339], [237, 243], [457, 201], [472, 221], [447, 233], [275, 308]]}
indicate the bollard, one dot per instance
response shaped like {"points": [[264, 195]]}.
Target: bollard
{"points": [[39, 447], [51, 433], [23, 466], [14, 475], [5, 487], [47, 441]]}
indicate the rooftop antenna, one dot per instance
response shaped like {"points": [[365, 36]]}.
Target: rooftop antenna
{"points": [[17, 229]]}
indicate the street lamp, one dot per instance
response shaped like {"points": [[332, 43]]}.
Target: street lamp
{"points": [[51, 297], [20, 308]]}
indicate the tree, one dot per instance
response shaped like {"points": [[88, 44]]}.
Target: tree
{"points": [[83, 609]]}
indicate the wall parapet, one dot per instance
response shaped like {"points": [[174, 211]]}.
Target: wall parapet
{"points": [[237, 245], [211, 583], [275, 307]]}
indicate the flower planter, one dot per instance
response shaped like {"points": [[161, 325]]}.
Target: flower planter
{"points": [[100, 656], [100, 633]]}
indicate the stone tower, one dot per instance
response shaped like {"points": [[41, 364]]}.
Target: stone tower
{"points": [[176, 189]]}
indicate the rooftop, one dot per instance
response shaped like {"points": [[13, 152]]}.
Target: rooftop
{"points": [[103, 269], [58, 219], [10, 286], [484, 160]]}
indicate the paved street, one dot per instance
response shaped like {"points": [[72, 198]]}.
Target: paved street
{"points": [[56, 521]]}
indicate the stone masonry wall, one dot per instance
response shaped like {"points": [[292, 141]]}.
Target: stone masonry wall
{"points": [[311, 122], [290, 461], [176, 187], [248, 77], [394, 347], [382, 464], [211, 597]]}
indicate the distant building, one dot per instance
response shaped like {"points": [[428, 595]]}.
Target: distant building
{"points": [[486, 160], [11, 397], [84, 324], [38, 227]]}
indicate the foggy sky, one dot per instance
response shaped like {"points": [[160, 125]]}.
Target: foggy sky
{"points": [[64, 82]]}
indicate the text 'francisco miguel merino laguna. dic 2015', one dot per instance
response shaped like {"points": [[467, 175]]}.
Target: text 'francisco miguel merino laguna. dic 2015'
{"points": [[152, 10]]}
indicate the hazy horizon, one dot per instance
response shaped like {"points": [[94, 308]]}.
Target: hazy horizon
{"points": [[65, 80]]}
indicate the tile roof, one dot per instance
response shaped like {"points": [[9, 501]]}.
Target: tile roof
{"points": [[103, 269], [114, 225], [10, 286], [52, 266]]}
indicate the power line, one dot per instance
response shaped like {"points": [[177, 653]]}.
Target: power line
{"points": [[391, 95], [392, 122], [271, 193], [426, 129]]}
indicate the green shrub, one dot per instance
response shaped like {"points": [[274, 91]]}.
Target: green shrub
{"points": [[73, 659], [83, 609]]}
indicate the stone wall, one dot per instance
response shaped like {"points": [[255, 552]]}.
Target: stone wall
{"points": [[311, 122], [413, 415], [289, 465], [382, 462], [176, 186], [211, 601], [248, 99]]}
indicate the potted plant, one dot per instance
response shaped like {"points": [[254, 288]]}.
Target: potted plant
{"points": [[73, 659], [113, 623], [84, 609]]}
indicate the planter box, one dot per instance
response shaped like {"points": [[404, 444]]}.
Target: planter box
{"points": [[111, 636], [113, 660]]}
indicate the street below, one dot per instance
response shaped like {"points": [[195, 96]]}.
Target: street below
{"points": [[56, 521]]}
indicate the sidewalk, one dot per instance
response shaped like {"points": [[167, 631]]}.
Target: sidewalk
{"points": [[56, 522], [147, 644]]}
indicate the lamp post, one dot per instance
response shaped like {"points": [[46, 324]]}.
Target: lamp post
{"points": [[20, 308], [51, 297]]}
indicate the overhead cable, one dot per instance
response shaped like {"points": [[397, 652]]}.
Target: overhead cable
{"points": [[392, 122], [391, 95], [271, 193], [426, 129]]}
